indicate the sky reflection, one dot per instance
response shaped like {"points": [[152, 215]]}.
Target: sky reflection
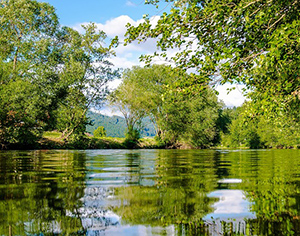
{"points": [[231, 204]]}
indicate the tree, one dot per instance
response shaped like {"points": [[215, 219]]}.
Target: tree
{"points": [[250, 42], [143, 89], [26, 28], [27, 81], [141, 94], [50, 75], [191, 119], [230, 36], [176, 115], [255, 129], [100, 132], [128, 98], [88, 71]]}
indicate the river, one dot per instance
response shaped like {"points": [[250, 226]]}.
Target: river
{"points": [[150, 192]]}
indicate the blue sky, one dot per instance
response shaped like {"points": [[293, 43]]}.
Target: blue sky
{"points": [[111, 16], [72, 12]]}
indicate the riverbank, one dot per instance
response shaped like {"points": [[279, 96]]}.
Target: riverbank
{"points": [[52, 140]]}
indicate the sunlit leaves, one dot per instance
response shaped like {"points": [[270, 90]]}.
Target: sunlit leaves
{"points": [[250, 42], [65, 72]]}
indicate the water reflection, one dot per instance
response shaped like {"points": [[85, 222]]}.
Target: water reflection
{"points": [[38, 189], [150, 192], [232, 204]]}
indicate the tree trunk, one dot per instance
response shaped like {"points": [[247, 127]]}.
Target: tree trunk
{"points": [[64, 133], [15, 60]]}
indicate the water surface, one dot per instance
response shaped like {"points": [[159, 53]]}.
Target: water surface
{"points": [[150, 192]]}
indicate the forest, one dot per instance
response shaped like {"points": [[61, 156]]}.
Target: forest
{"points": [[51, 76]]}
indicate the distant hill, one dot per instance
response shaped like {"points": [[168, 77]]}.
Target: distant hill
{"points": [[115, 126]]}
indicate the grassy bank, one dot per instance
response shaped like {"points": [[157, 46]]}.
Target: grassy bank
{"points": [[52, 140]]}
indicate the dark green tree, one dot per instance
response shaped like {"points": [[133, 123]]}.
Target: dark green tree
{"points": [[191, 119], [255, 129]]}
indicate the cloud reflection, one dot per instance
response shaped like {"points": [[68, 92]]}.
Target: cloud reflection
{"points": [[231, 204]]}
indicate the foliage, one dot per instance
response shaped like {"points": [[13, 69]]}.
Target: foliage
{"points": [[139, 96], [229, 38], [49, 75], [132, 137], [26, 96], [225, 117], [175, 115], [100, 132], [21, 118], [191, 119], [89, 70], [127, 98], [255, 129], [250, 42]]}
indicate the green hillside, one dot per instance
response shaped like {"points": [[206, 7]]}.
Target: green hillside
{"points": [[115, 126]]}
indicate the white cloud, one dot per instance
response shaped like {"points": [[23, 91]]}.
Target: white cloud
{"points": [[123, 62], [107, 111], [114, 84], [232, 98], [113, 27], [128, 56], [116, 26]]}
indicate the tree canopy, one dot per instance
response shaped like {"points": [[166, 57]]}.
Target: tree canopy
{"points": [[255, 43], [177, 116], [244, 41], [49, 75]]}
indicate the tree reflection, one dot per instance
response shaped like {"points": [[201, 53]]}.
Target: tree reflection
{"points": [[184, 181], [270, 182], [39, 190], [178, 192], [179, 195], [275, 194]]}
